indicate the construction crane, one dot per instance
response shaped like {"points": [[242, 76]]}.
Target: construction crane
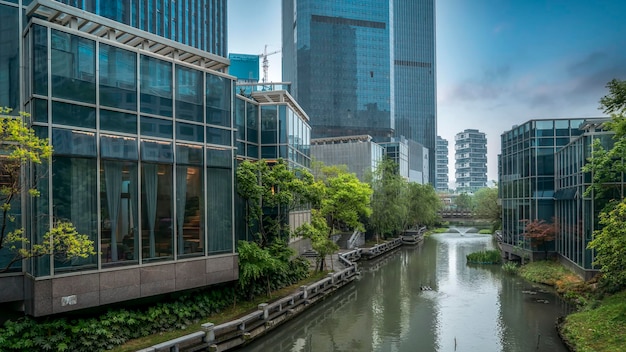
{"points": [[266, 63]]}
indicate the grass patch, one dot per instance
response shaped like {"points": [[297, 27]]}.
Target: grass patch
{"points": [[436, 230], [241, 309], [485, 232], [509, 267], [601, 329], [485, 257]]}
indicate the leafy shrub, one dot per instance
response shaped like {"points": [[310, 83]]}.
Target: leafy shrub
{"points": [[509, 267], [485, 257]]}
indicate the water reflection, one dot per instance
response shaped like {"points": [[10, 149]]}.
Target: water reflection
{"points": [[471, 308]]}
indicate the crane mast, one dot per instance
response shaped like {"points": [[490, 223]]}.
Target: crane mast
{"points": [[266, 63]]}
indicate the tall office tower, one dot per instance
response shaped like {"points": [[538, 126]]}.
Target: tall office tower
{"points": [[470, 160], [199, 23], [364, 68], [441, 160]]}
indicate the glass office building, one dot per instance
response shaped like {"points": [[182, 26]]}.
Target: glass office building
{"points": [[527, 176], [364, 68], [576, 212], [198, 23], [145, 139]]}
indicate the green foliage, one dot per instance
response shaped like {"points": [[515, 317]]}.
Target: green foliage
{"points": [[485, 257], [509, 267], [19, 147], [600, 328], [463, 201], [610, 243], [398, 205], [485, 232], [318, 232], [485, 205], [345, 201], [270, 192]]}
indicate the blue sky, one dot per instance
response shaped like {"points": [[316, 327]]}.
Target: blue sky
{"points": [[499, 62]]}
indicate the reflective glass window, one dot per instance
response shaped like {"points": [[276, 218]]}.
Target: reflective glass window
{"points": [[73, 67], [189, 132], [269, 125], [157, 224], [156, 151], [74, 197], [154, 127], [71, 142], [9, 59], [156, 86], [73, 115], [218, 136], [220, 200], [120, 214], [189, 94], [118, 77], [252, 129], [40, 110], [118, 147], [118, 121], [40, 60], [218, 157], [218, 95]]}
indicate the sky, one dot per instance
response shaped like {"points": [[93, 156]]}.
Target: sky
{"points": [[500, 63]]}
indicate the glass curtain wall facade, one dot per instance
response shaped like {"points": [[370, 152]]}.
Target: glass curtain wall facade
{"points": [[143, 151], [470, 160], [577, 214], [527, 174], [364, 68], [198, 23], [415, 75]]}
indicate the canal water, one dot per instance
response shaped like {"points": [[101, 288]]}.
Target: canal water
{"points": [[469, 307]]}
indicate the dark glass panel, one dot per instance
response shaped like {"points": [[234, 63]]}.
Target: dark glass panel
{"points": [[253, 151], [156, 151], [154, 127], [219, 157], [252, 133], [118, 147], [9, 57], [219, 196], [120, 214], [156, 86], [40, 110], [118, 77], [269, 152], [189, 94], [218, 97], [70, 142], [269, 128], [157, 224], [189, 210], [189, 132], [73, 115], [282, 124], [118, 121], [218, 136], [189, 154], [73, 67], [74, 199], [40, 60]]}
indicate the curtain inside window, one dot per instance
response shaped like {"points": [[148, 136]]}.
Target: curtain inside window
{"points": [[150, 179], [113, 181], [181, 201]]}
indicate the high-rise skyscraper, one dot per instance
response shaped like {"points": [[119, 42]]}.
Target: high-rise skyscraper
{"points": [[441, 174], [470, 160], [364, 67]]}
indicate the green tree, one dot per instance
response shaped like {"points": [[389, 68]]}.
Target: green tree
{"points": [[423, 205], [607, 167], [609, 243], [463, 201], [389, 200], [486, 206], [342, 203], [271, 191], [256, 263], [19, 148]]}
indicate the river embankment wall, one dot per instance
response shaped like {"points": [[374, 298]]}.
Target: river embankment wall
{"points": [[269, 316]]}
